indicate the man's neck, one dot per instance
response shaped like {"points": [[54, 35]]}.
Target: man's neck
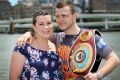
{"points": [[74, 30]]}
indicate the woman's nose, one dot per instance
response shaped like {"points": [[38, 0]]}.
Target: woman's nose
{"points": [[46, 26]]}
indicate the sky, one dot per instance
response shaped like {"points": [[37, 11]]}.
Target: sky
{"points": [[13, 2]]}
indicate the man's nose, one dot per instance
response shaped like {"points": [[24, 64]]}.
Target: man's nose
{"points": [[60, 18]]}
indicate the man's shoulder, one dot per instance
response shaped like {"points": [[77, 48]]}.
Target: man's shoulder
{"points": [[57, 34], [94, 31]]}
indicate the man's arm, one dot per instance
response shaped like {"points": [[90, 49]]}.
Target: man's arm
{"points": [[25, 38], [112, 61]]}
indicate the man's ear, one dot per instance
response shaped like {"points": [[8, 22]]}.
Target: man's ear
{"points": [[76, 14]]}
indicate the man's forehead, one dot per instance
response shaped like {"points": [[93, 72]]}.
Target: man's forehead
{"points": [[62, 10]]}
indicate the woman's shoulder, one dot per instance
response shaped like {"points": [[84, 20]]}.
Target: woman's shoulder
{"points": [[21, 49]]}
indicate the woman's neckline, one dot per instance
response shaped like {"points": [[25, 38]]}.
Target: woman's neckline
{"points": [[40, 49]]}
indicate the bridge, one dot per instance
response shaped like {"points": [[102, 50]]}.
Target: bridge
{"points": [[99, 21]]}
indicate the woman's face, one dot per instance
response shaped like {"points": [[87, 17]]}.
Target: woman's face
{"points": [[43, 27]]}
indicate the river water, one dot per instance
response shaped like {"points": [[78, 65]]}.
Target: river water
{"points": [[8, 41]]}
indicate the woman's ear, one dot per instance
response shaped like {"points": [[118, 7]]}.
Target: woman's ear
{"points": [[33, 26]]}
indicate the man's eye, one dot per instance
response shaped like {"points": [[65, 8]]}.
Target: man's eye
{"points": [[57, 16], [64, 15]]}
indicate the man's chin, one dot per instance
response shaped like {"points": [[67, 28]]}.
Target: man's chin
{"points": [[62, 28]]}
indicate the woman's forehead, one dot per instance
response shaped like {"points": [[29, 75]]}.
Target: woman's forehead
{"points": [[44, 18]]}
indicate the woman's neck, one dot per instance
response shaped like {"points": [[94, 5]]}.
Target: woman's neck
{"points": [[40, 43]]}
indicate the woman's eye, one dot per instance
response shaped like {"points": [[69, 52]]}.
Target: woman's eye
{"points": [[49, 23], [40, 24]]}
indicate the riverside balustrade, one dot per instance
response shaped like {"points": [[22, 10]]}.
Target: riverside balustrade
{"points": [[104, 21]]}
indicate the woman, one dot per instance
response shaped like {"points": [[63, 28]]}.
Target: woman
{"points": [[38, 60]]}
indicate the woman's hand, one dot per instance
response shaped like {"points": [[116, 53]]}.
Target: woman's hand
{"points": [[25, 38]]}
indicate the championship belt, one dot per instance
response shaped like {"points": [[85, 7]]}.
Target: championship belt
{"points": [[83, 53]]}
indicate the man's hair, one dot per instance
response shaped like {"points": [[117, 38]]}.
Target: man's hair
{"points": [[39, 13], [66, 3]]}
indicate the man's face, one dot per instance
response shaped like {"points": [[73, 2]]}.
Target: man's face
{"points": [[64, 18], [43, 26]]}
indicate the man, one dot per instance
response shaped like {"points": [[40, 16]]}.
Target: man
{"points": [[66, 19]]}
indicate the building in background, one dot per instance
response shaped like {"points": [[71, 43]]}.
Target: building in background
{"points": [[104, 6], [25, 8], [4, 5]]}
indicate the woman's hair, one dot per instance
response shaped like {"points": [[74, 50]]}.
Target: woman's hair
{"points": [[39, 13], [66, 3]]}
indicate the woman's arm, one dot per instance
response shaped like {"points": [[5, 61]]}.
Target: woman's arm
{"points": [[17, 62]]}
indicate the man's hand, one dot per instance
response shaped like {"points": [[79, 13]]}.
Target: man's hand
{"points": [[91, 76], [25, 38]]}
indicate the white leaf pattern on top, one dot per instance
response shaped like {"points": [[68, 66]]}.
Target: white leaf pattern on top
{"points": [[45, 74], [45, 61], [39, 64], [52, 64]]}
